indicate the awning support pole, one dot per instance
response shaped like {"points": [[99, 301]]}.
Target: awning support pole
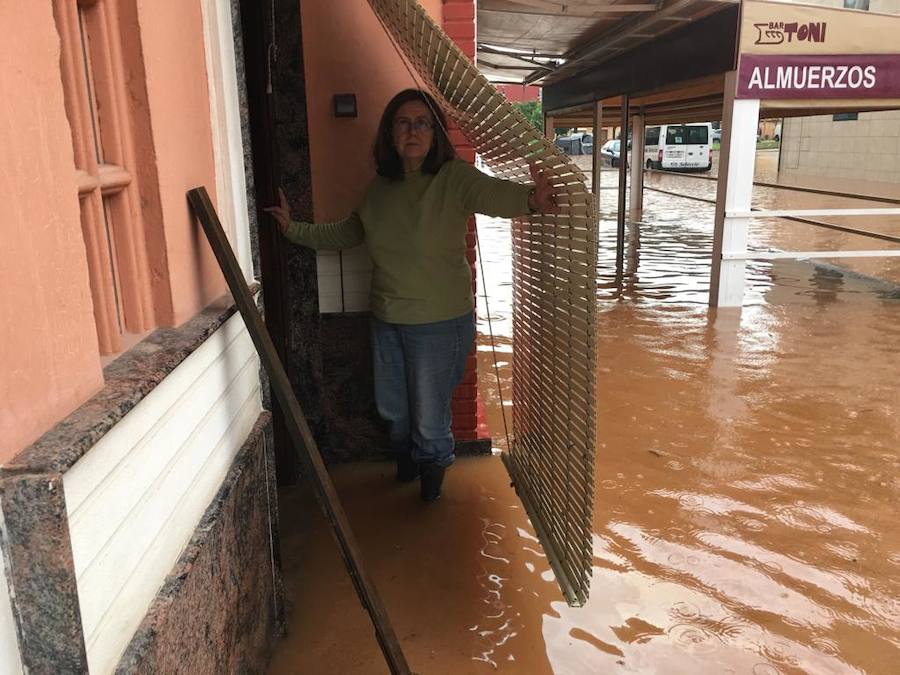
{"points": [[636, 204], [549, 124], [597, 165], [736, 163], [623, 179]]}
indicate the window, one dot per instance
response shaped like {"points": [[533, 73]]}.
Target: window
{"points": [[687, 135], [845, 117], [651, 136], [857, 4], [97, 109]]}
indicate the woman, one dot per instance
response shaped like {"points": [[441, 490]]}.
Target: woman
{"points": [[413, 219]]}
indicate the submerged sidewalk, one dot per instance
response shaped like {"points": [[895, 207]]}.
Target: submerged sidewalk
{"points": [[745, 507]]}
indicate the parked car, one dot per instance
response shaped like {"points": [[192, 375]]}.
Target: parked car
{"points": [[717, 134], [610, 152], [564, 143], [678, 146], [576, 144], [587, 144]]}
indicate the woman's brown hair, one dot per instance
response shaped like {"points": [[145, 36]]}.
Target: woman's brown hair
{"points": [[387, 159]]}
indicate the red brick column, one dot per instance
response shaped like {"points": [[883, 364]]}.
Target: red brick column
{"points": [[468, 413], [520, 93]]}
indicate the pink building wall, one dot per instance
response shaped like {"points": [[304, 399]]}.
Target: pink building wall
{"points": [[175, 67], [518, 93], [49, 360], [49, 356], [346, 50], [49, 363]]}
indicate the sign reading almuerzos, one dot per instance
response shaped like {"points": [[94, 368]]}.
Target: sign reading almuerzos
{"points": [[819, 76]]}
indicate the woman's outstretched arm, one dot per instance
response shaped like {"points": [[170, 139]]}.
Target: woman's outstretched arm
{"points": [[497, 197], [335, 236]]}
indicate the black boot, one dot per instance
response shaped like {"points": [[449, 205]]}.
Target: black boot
{"points": [[407, 469], [432, 479]]}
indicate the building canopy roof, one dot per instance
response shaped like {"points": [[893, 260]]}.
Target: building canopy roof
{"points": [[541, 41], [670, 57]]}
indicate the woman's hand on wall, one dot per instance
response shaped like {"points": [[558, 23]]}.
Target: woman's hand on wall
{"points": [[281, 213], [543, 197]]}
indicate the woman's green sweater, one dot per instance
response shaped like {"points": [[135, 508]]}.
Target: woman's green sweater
{"points": [[415, 230]]}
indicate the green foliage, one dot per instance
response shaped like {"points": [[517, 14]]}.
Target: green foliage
{"points": [[533, 113]]}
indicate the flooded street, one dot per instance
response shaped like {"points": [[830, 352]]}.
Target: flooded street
{"points": [[785, 235], [747, 478]]}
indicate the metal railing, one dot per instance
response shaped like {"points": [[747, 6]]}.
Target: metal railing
{"points": [[802, 216]]}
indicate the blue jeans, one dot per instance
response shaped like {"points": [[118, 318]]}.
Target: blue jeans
{"points": [[417, 367]]}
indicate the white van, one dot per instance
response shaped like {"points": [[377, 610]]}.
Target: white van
{"points": [[678, 146]]}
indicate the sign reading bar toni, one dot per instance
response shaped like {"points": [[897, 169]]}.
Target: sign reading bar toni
{"points": [[794, 52]]}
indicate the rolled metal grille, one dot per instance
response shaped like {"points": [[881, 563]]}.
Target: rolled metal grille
{"points": [[551, 460]]}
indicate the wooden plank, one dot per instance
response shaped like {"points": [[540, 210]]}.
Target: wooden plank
{"points": [[304, 444]]}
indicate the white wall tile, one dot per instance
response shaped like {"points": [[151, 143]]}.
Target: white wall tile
{"points": [[330, 303], [329, 285], [356, 302], [357, 282], [328, 262], [345, 280]]}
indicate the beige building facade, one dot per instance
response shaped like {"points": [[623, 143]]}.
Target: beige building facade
{"points": [[861, 146]]}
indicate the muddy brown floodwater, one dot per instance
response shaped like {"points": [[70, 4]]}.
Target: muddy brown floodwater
{"points": [[747, 482]]}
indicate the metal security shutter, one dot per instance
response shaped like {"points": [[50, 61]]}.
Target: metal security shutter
{"points": [[551, 459]]}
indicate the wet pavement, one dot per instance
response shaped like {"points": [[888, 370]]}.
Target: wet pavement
{"points": [[747, 482]]}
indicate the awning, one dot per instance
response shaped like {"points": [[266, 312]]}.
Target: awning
{"points": [[554, 40], [820, 53]]}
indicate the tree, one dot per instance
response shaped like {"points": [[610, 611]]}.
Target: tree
{"points": [[533, 113]]}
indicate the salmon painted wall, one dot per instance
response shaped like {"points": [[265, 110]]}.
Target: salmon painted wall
{"points": [[178, 94], [49, 359], [49, 362], [519, 93], [345, 50]]}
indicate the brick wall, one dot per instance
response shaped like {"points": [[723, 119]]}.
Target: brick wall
{"points": [[519, 93], [459, 23]]}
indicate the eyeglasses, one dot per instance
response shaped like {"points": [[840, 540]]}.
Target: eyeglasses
{"points": [[420, 124]]}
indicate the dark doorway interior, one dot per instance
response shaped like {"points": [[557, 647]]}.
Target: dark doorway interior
{"points": [[259, 40], [339, 407]]}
